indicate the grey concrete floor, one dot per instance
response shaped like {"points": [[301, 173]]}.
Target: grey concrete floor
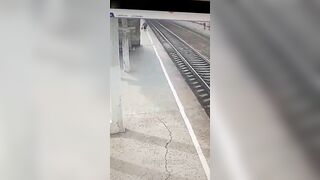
{"points": [[156, 144]]}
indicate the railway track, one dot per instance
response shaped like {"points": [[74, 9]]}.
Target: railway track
{"points": [[194, 67], [199, 41]]}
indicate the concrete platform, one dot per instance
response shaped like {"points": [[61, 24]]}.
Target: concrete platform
{"points": [[157, 144]]}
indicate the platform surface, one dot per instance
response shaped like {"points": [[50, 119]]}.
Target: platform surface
{"points": [[153, 120]]}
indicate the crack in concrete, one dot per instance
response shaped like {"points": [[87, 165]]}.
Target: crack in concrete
{"points": [[167, 150]]}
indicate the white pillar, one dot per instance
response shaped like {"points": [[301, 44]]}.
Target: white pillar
{"points": [[116, 124], [125, 46]]}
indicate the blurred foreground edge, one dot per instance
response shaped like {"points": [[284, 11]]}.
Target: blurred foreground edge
{"points": [[266, 113]]}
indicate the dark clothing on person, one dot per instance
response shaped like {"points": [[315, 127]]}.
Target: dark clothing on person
{"points": [[144, 26]]}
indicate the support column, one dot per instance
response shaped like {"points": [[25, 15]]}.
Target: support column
{"points": [[116, 124], [125, 45]]}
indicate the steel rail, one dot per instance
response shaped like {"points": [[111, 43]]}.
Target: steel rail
{"points": [[189, 72], [196, 51]]}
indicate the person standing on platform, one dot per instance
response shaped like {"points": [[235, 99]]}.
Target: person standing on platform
{"points": [[144, 26]]}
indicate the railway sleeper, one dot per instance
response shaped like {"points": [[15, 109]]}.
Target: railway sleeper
{"points": [[204, 74], [200, 90], [195, 83], [204, 95], [182, 65], [206, 100], [207, 103], [200, 64], [197, 86]]}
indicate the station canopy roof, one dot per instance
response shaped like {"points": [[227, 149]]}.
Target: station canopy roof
{"points": [[192, 10]]}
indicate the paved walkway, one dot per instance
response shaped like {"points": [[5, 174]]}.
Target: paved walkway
{"points": [[157, 144]]}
